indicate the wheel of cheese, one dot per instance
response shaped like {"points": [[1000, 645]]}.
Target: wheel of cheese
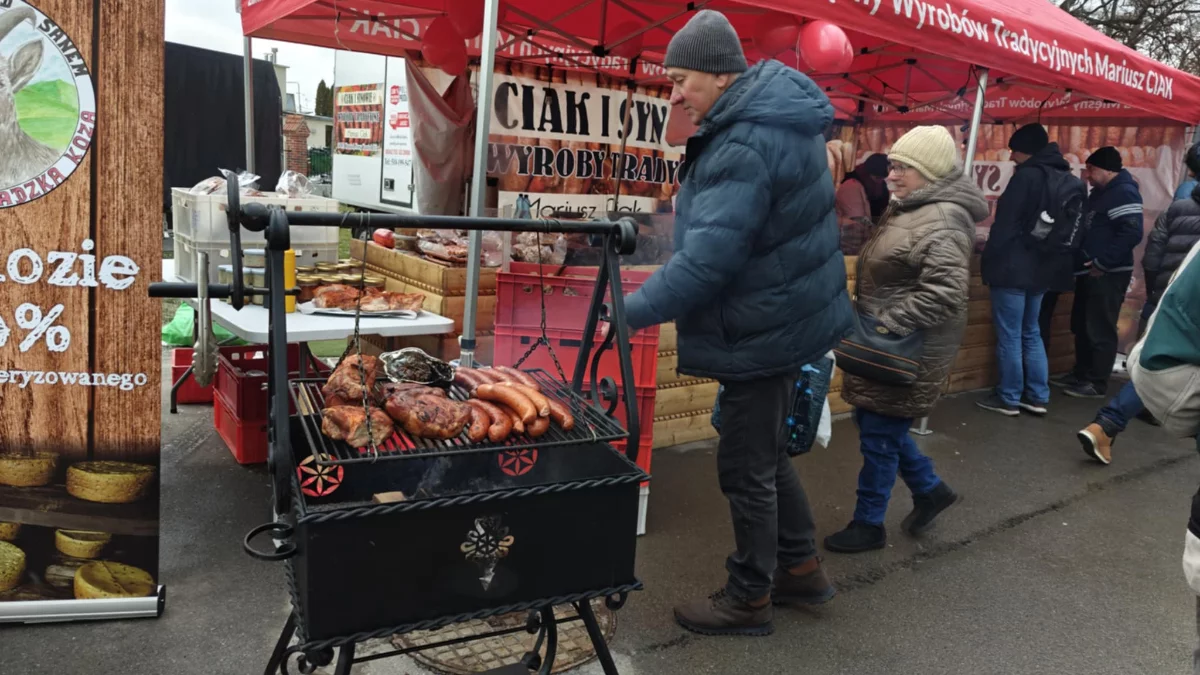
{"points": [[81, 543], [109, 482], [9, 531], [106, 579], [27, 470], [12, 566]]}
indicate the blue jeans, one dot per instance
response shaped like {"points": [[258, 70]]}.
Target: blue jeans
{"points": [[887, 448], [1024, 369], [1125, 406]]}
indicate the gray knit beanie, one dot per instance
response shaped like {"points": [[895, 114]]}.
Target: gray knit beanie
{"points": [[707, 43]]}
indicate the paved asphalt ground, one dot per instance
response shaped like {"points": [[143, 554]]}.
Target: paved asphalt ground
{"points": [[1050, 565]]}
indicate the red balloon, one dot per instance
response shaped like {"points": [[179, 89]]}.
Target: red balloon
{"points": [[631, 47], [776, 32], [466, 16], [825, 47], [443, 46]]}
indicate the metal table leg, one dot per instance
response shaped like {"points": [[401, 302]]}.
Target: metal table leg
{"points": [[279, 653], [922, 428], [187, 374]]}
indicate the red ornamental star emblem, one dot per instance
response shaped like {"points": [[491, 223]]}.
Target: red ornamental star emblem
{"points": [[517, 462], [317, 480]]}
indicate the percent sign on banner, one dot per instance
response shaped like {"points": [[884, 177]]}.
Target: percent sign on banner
{"points": [[29, 317]]}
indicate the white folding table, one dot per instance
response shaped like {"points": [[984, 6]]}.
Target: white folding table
{"points": [[250, 323]]}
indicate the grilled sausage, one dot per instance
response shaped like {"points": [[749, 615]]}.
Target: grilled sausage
{"points": [[519, 377], [490, 376], [539, 427], [541, 403], [561, 414], [467, 378], [501, 423], [510, 396], [518, 426], [477, 430]]}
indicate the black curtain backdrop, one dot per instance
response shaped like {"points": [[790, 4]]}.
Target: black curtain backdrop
{"points": [[205, 118]]}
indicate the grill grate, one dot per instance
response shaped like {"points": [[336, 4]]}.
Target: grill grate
{"points": [[591, 426]]}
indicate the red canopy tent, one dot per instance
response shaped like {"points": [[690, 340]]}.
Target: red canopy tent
{"points": [[916, 60]]}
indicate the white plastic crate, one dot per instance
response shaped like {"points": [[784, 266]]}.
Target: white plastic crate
{"points": [[202, 220], [307, 255]]}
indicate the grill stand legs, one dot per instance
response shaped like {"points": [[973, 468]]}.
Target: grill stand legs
{"points": [[540, 659]]}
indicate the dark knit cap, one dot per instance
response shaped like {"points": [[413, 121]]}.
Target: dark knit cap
{"points": [[1106, 158], [877, 165], [707, 43], [1029, 139]]}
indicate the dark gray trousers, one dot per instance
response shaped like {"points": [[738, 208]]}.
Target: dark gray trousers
{"points": [[772, 522]]}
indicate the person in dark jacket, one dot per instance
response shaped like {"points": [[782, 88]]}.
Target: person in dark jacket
{"points": [[914, 275], [861, 200], [1175, 232], [1019, 273], [1104, 268], [757, 289]]}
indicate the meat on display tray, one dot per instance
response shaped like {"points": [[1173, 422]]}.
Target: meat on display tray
{"points": [[591, 426]]}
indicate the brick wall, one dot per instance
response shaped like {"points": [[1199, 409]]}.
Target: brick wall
{"points": [[295, 144]]}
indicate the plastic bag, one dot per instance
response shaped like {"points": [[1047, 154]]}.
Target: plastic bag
{"points": [[553, 248], [178, 333], [293, 185], [825, 426], [247, 182], [803, 423]]}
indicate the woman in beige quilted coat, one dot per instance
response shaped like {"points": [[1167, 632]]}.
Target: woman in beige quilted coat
{"points": [[913, 275]]}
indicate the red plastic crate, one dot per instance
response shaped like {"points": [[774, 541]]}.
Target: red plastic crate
{"points": [[190, 392], [511, 344], [247, 440], [242, 379], [568, 294]]}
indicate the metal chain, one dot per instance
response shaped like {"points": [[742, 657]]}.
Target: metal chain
{"points": [[434, 624], [544, 339], [362, 369]]}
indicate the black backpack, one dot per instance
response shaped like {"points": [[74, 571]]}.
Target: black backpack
{"points": [[1059, 225]]}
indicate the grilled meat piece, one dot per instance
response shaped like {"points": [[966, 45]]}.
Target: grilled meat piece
{"points": [[390, 389], [349, 423], [346, 382], [371, 303], [407, 301], [425, 416], [335, 296]]}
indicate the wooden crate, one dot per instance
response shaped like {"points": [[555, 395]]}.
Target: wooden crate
{"points": [[444, 347], [441, 279], [449, 306], [685, 397], [668, 361], [668, 339], [683, 428]]}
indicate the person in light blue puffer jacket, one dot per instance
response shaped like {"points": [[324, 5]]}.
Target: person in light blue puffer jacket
{"points": [[757, 288]]}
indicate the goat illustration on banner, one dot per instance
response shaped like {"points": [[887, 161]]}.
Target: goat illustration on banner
{"points": [[47, 104]]}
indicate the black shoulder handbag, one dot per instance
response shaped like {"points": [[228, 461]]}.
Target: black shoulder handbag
{"points": [[873, 352]]}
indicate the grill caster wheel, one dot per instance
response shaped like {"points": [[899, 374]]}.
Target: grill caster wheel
{"points": [[310, 661]]}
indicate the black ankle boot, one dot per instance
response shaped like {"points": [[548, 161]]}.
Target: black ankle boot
{"points": [[926, 508], [856, 538]]}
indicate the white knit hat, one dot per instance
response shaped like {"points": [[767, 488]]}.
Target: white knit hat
{"points": [[930, 150]]}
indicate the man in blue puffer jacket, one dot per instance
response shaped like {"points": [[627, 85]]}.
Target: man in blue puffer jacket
{"points": [[757, 288]]}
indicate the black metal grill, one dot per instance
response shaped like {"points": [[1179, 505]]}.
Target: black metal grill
{"points": [[591, 426]]}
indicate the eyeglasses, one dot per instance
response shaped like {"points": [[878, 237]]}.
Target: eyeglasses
{"points": [[899, 169]]}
